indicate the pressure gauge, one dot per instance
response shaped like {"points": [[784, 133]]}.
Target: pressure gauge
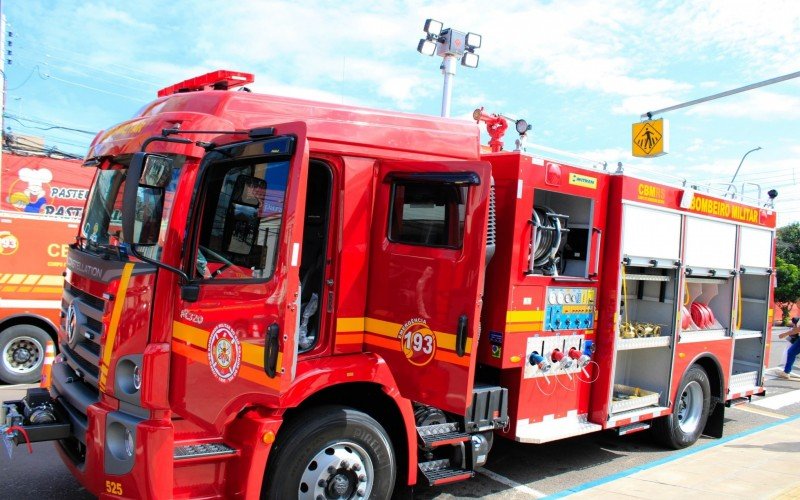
{"points": [[567, 298], [552, 298], [560, 297]]}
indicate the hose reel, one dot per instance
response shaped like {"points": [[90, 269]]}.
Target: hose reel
{"points": [[548, 238]]}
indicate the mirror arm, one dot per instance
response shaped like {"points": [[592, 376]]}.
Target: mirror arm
{"points": [[156, 263]]}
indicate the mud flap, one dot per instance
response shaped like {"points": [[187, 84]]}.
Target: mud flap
{"points": [[716, 419]]}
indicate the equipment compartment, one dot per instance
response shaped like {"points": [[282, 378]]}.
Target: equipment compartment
{"points": [[706, 314], [645, 370], [627, 398], [648, 303], [563, 225]]}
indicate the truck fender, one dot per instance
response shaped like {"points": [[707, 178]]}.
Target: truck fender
{"points": [[364, 368]]}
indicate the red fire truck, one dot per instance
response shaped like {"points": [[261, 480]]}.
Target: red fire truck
{"points": [[41, 200], [312, 300]]}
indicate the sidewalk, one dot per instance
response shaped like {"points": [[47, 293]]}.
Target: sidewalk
{"points": [[762, 464], [11, 392]]}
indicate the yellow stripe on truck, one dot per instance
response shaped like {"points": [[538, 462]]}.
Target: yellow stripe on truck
{"points": [[111, 335]]}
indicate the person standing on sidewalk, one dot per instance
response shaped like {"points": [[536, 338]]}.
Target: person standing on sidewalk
{"points": [[791, 353]]}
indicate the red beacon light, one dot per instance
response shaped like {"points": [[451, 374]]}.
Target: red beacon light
{"points": [[216, 80]]}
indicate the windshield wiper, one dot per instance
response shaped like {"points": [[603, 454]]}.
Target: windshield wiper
{"points": [[107, 249]]}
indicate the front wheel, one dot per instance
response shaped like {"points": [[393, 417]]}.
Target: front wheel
{"points": [[331, 452], [22, 354], [683, 427]]}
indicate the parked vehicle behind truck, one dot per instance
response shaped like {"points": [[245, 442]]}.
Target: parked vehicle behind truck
{"points": [[313, 300], [41, 201]]}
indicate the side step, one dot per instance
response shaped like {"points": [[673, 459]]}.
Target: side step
{"points": [[203, 450], [738, 401], [631, 428], [435, 435], [440, 472]]}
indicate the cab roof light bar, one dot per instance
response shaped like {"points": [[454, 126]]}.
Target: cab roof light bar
{"points": [[216, 80]]}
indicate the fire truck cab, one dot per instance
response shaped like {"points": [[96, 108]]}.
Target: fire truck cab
{"points": [[292, 299]]}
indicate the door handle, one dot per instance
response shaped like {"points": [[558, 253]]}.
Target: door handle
{"points": [[461, 336], [271, 351]]}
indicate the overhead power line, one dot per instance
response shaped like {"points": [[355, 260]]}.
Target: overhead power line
{"points": [[47, 76], [93, 77], [48, 126], [35, 44]]}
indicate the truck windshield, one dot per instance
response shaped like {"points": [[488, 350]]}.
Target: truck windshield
{"points": [[101, 231]]}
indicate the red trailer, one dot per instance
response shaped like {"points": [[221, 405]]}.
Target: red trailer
{"points": [[312, 300]]}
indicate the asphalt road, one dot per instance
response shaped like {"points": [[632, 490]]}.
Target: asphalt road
{"points": [[514, 471]]}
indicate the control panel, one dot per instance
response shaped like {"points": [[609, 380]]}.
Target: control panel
{"points": [[569, 309]]}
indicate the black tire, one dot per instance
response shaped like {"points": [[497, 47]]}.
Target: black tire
{"points": [[22, 354], [325, 437], [683, 427]]}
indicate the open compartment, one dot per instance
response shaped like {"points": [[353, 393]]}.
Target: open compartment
{"points": [[562, 234], [748, 359], [749, 328], [641, 379], [707, 310], [647, 308], [751, 320]]}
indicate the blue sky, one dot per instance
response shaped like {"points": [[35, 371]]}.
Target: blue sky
{"points": [[581, 72]]}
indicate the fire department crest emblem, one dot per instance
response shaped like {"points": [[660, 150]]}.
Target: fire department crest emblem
{"points": [[224, 353]]}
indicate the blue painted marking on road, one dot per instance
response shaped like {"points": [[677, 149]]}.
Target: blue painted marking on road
{"points": [[688, 451]]}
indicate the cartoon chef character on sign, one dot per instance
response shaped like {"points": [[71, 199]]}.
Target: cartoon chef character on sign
{"points": [[33, 197]]}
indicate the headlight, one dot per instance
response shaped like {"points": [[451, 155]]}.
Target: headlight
{"points": [[129, 376], [130, 443], [137, 377]]}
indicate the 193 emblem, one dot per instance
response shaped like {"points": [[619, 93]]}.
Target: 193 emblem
{"points": [[224, 353], [417, 341]]}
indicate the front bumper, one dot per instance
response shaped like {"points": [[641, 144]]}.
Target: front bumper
{"points": [[113, 449]]}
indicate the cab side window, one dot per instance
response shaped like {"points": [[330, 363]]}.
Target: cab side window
{"points": [[241, 221], [429, 213]]}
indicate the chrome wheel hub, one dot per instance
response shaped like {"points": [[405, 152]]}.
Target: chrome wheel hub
{"points": [[690, 407], [23, 355], [340, 471]]}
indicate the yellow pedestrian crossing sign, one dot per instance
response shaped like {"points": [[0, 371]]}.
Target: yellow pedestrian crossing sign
{"points": [[650, 138]]}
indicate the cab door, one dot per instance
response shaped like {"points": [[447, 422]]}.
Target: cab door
{"points": [[237, 335], [426, 274]]}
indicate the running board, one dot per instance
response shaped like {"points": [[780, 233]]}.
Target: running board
{"points": [[737, 401], [438, 472], [435, 435], [631, 428], [203, 450]]}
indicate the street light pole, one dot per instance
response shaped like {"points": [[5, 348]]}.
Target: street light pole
{"points": [[733, 179]]}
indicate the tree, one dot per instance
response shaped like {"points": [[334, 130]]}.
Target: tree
{"points": [[787, 292], [789, 243]]}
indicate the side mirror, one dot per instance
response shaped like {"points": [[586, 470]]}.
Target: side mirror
{"points": [[143, 198]]}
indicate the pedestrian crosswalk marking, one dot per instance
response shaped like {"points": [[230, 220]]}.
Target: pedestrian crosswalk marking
{"points": [[781, 400]]}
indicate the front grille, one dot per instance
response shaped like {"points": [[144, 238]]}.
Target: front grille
{"points": [[82, 351], [95, 302]]}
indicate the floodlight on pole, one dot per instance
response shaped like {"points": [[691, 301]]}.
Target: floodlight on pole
{"points": [[452, 46]]}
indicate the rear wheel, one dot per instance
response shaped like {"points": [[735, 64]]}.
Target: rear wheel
{"points": [[22, 354], [331, 452], [683, 427]]}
